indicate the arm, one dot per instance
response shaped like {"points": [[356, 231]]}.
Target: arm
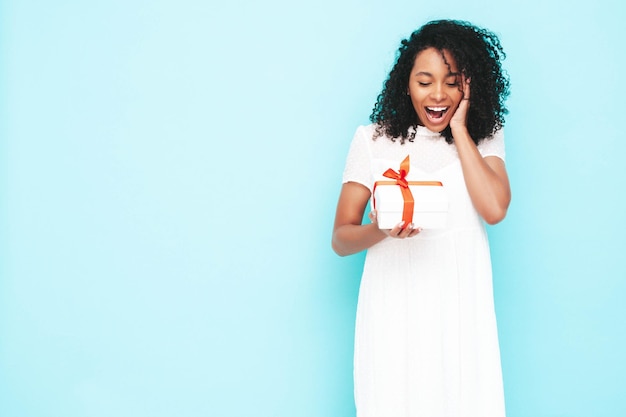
{"points": [[349, 235], [486, 178]]}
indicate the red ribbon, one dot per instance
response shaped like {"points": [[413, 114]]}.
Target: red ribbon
{"points": [[407, 196]]}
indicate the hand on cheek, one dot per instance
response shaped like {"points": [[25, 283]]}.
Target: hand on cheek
{"points": [[459, 119]]}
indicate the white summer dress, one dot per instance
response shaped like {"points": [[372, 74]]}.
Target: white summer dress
{"points": [[426, 338]]}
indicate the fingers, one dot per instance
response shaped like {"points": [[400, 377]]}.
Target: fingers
{"points": [[459, 119], [372, 217], [466, 88], [398, 232], [401, 232]]}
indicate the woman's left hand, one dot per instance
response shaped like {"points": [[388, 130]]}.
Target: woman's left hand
{"points": [[459, 118]]}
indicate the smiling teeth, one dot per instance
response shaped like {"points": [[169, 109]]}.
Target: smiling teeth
{"points": [[436, 108]]}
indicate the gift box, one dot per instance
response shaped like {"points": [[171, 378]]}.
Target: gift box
{"points": [[423, 203]]}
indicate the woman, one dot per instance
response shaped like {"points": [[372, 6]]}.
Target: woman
{"points": [[426, 337]]}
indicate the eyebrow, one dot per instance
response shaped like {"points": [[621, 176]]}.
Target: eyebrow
{"points": [[428, 74]]}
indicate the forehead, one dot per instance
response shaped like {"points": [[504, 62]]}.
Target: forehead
{"points": [[434, 60]]}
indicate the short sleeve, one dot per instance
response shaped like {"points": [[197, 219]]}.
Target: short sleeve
{"points": [[358, 162], [493, 145]]}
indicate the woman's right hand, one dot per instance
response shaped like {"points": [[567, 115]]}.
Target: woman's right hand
{"points": [[399, 231], [349, 235]]}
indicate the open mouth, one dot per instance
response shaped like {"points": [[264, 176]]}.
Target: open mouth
{"points": [[436, 114]]}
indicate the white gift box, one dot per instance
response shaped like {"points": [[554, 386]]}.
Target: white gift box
{"points": [[430, 207]]}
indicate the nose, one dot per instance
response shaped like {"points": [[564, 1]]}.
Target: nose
{"points": [[438, 93]]}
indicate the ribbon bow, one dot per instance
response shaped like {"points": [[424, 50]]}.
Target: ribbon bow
{"points": [[401, 176]]}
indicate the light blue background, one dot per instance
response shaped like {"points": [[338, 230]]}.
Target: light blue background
{"points": [[170, 174]]}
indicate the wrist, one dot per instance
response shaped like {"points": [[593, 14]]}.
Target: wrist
{"points": [[458, 130], [460, 134], [375, 230]]}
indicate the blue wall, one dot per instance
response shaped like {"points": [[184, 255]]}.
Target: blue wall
{"points": [[171, 170]]}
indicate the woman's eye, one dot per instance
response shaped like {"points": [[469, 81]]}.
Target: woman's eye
{"points": [[424, 84], [453, 84]]}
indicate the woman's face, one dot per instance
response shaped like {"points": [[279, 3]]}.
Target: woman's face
{"points": [[434, 88]]}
